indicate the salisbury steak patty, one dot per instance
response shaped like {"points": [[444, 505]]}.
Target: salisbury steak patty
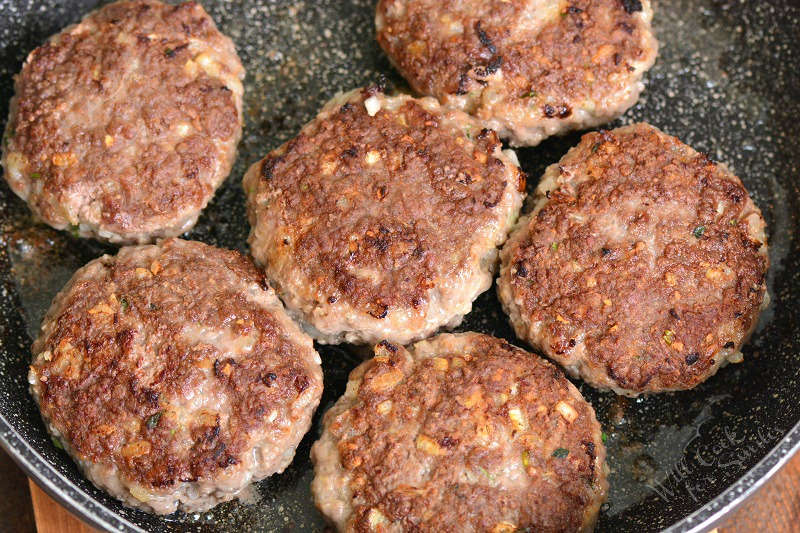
{"points": [[459, 433], [530, 69], [173, 376], [382, 218], [642, 267], [123, 125]]}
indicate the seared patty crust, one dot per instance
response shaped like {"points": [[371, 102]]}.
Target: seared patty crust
{"points": [[173, 376], [528, 69], [642, 267], [123, 126], [382, 218], [459, 433]]}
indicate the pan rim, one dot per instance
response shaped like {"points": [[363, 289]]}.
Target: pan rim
{"points": [[714, 511], [57, 486]]}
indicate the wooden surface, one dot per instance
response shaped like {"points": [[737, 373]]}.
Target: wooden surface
{"points": [[51, 517], [774, 509], [16, 511]]}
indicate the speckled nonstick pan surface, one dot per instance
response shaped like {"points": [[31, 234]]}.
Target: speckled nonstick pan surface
{"points": [[727, 81]]}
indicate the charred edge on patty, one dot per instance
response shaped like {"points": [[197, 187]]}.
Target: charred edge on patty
{"points": [[268, 167], [388, 345], [632, 6], [560, 111], [484, 38]]}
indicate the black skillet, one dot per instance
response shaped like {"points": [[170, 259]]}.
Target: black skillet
{"points": [[727, 81]]}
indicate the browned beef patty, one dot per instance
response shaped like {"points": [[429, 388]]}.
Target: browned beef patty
{"points": [[528, 68], [642, 267], [123, 125], [459, 433], [173, 376], [381, 219]]}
